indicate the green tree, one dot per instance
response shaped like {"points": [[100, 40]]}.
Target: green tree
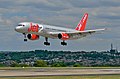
{"points": [[56, 65], [76, 65], [24, 65], [2, 65], [15, 64], [59, 64], [40, 63]]}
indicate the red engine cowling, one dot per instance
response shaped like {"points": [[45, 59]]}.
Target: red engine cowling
{"points": [[33, 37], [63, 36]]}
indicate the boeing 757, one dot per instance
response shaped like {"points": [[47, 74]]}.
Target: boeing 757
{"points": [[33, 31]]}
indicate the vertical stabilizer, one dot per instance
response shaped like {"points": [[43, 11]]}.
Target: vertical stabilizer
{"points": [[82, 24]]}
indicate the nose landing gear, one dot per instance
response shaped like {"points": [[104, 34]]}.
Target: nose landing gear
{"points": [[25, 38]]}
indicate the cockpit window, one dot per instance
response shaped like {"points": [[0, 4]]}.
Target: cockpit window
{"points": [[21, 25]]}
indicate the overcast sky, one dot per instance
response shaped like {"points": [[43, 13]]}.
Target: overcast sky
{"points": [[65, 13]]}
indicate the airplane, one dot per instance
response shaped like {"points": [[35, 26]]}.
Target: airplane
{"points": [[33, 31]]}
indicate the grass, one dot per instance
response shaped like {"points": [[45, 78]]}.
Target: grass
{"points": [[69, 77], [60, 68]]}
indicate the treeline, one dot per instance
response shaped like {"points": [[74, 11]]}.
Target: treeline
{"points": [[41, 63], [44, 58]]}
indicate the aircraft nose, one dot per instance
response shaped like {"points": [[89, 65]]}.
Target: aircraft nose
{"points": [[18, 29], [15, 28]]}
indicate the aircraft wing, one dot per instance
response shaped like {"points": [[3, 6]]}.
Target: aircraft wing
{"points": [[77, 34]]}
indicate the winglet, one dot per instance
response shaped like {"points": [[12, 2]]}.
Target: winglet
{"points": [[82, 24]]}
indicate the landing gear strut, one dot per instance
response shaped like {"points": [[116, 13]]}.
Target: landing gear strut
{"points": [[25, 38], [63, 43], [46, 43]]}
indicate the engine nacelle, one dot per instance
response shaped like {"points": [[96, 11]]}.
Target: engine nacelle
{"points": [[33, 37], [63, 36]]}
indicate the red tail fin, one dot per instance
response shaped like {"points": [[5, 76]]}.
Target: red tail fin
{"points": [[82, 24]]}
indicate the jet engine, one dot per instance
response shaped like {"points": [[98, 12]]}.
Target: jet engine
{"points": [[33, 37], [63, 36]]}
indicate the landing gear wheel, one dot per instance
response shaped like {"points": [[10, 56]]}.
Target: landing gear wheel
{"points": [[63, 43], [46, 43], [25, 40]]}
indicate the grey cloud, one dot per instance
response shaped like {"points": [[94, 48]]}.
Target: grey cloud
{"points": [[112, 17], [94, 3], [84, 3], [110, 3], [49, 5]]}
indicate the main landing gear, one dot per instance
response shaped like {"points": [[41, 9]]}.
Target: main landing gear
{"points": [[25, 38], [63, 43], [46, 43]]}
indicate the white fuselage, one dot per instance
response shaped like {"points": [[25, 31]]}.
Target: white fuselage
{"points": [[45, 30]]}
